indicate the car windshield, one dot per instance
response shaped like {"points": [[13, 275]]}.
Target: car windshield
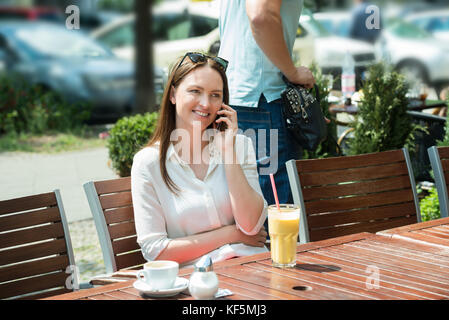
{"points": [[55, 42], [439, 23], [315, 27], [404, 29]]}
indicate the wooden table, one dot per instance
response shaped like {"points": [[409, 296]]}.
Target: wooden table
{"points": [[359, 266], [434, 233]]}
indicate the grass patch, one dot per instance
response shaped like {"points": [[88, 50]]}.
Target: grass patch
{"points": [[53, 142]]}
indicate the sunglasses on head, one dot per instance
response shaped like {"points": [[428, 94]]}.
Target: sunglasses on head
{"points": [[197, 57]]}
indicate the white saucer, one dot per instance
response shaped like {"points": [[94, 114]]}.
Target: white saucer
{"points": [[180, 285]]}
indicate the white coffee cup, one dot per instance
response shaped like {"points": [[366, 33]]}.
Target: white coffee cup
{"points": [[159, 274]]}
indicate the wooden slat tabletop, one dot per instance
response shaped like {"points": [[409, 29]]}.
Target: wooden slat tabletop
{"points": [[434, 233], [362, 266]]}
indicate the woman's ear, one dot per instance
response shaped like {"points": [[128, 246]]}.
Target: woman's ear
{"points": [[172, 95]]}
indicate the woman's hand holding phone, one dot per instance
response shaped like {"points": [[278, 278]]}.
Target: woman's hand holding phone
{"points": [[227, 125]]}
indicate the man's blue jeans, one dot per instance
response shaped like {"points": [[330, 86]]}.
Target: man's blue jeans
{"points": [[273, 145]]}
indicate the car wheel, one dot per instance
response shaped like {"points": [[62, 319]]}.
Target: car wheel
{"points": [[214, 48], [413, 72]]}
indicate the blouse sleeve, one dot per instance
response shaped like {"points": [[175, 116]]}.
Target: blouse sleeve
{"points": [[247, 159], [148, 214]]}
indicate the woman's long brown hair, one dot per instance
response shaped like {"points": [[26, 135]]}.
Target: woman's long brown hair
{"points": [[167, 114]]}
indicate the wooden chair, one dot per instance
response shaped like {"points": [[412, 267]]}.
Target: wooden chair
{"points": [[111, 205], [36, 257], [439, 160], [345, 195]]}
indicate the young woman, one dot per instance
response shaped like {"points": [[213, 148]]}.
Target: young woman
{"points": [[195, 185]]}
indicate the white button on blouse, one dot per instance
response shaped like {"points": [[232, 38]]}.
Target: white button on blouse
{"points": [[202, 205]]}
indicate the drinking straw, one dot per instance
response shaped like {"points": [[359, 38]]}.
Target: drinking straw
{"points": [[273, 185]]}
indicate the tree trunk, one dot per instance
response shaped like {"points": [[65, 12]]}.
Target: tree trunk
{"points": [[144, 73]]}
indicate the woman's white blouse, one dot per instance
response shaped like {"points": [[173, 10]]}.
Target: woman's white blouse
{"points": [[202, 205]]}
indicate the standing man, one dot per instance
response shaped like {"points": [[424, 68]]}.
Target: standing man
{"points": [[362, 16], [257, 38]]}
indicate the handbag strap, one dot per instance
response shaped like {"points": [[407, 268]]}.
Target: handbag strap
{"points": [[315, 86]]}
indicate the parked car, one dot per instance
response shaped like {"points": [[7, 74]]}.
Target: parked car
{"points": [[435, 22], [335, 22], [330, 50], [90, 21], [31, 13], [412, 50], [71, 64], [178, 27]]}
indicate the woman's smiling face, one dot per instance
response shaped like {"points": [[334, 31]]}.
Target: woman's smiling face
{"points": [[197, 98]]}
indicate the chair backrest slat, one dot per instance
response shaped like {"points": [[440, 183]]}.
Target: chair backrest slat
{"points": [[361, 215], [132, 260], [35, 247], [46, 265], [35, 284], [344, 195], [111, 205], [118, 215], [360, 188], [444, 152], [445, 164], [28, 203], [343, 230], [358, 202], [317, 178], [357, 161], [113, 185], [43, 295], [122, 230], [31, 218], [41, 233], [125, 245], [34, 251], [116, 200]]}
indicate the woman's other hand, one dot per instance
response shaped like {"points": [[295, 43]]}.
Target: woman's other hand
{"points": [[257, 240]]}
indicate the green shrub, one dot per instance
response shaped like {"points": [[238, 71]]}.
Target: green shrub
{"points": [[429, 206], [382, 121], [30, 109], [127, 136]]}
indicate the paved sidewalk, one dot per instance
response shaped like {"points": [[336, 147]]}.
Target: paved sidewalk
{"points": [[23, 174]]}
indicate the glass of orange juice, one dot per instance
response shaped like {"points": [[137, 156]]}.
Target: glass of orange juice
{"points": [[283, 227]]}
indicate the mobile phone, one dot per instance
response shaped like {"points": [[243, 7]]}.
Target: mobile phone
{"points": [[222, 125]]}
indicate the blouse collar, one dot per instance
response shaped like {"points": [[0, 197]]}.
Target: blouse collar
{"points": [[214, 153]]}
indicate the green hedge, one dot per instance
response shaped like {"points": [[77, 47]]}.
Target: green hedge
{"points": [[30, 109], [385, 123], [429, 206], [127, 136]]}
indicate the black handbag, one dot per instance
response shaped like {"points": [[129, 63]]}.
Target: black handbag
{"points": [[303, 115]]}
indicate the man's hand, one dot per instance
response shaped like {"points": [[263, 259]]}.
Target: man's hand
{"points": [[302, 76]]}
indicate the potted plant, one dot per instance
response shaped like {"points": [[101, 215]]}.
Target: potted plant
{"points": [[382, 122]]}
